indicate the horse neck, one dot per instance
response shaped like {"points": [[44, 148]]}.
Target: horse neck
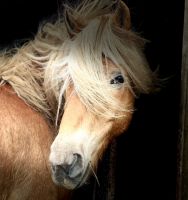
{"points": [[26, 78]]}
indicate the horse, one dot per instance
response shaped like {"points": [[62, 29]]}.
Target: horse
{"points": [[65, 95]]}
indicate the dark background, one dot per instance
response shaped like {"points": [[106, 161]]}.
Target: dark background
{"points": [[146, 160]]}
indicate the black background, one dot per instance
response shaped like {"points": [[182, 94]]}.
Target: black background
{"points": [[146, 164]]}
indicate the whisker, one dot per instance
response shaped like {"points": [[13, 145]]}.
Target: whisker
{"points": [[95, 175]]}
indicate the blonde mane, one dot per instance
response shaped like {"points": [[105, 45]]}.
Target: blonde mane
{"points": [[73, 50]]}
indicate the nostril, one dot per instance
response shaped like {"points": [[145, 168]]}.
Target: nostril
{"points": [[77, 159], [63, 167], [76, 166]]}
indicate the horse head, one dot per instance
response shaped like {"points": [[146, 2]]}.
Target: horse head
{"points": [[101, 68]]}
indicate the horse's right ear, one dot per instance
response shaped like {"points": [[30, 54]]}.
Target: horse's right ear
{"points": [[122, 16]]}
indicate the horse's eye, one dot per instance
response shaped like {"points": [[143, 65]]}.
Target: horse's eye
{"points": [[117, 80]]}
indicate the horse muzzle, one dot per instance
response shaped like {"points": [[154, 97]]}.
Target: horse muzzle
{"points": [[69, 175]]}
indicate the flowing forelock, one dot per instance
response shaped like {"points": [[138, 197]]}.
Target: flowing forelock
{"points": [[75, 50], [81, 61]]}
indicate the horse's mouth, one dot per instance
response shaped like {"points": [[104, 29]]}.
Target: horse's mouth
{"points": [[67, 181]]}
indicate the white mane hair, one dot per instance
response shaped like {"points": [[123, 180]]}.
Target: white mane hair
{"points": [[74, 50]]}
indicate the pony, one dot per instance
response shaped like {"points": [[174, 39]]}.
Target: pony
{"points": [[65, 95]]}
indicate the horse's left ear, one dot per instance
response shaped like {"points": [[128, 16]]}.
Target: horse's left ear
{"points": [[122, 16]]}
